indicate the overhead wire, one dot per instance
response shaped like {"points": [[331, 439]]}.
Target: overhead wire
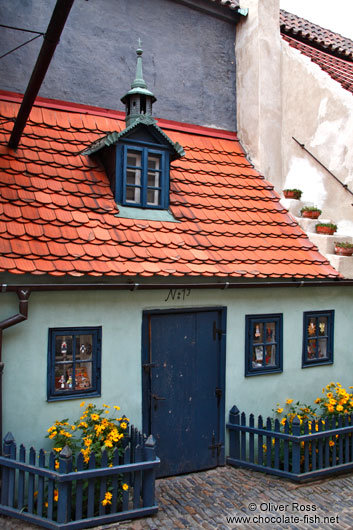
{"points": [[38, 34]]}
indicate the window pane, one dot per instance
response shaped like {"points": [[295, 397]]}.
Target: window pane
{"points": [[133, 194], [270, 332], [153, 162], [133, 176], [153, 179], [270, 359], [258, 332], [84, 347], [312, 327], [322, 348], [322, 326], [83, 376], [258, 357], [63, 348], [133, 159], [63, 377], [153, 197], [311, 349]]}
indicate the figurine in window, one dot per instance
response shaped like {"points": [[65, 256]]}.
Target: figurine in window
{"points": [[62, 382], [69, 382]]}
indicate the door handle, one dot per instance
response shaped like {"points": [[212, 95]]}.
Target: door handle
{"points": [[158, 398]]}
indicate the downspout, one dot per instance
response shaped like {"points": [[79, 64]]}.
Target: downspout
{"points": [[23, 295]]}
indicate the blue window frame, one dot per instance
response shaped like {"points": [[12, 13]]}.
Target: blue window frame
{"points": [[318, 338], [143, 177], [74, 361], [263, 344]]}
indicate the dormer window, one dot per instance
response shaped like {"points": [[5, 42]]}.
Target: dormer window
{"points": [[137, 159], [143, 177]]}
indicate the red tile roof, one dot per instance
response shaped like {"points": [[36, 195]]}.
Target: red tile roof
{"points": [[58, 215], [302, 29], [339, 69], [329, 50]]}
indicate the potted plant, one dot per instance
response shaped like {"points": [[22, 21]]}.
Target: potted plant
{"points": [[310, 211], [343, 249], [326, 228], [292, 193]]}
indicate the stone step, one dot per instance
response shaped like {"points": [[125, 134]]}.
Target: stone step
{"points": [[342, 264], [326, 243]]}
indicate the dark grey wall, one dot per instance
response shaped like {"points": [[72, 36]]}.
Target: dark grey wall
{"points": [[188, 58]]}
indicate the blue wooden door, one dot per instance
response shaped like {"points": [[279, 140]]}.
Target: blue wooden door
{"points": [[183, 388]]}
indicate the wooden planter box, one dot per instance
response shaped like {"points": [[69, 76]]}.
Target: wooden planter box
{"points": [[341, 251]]}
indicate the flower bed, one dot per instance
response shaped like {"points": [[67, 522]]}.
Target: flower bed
{"points": [[99, 471], [301, 443]]}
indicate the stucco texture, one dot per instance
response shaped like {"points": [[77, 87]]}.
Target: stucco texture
{"points": [[188, 61], [28, 414]]}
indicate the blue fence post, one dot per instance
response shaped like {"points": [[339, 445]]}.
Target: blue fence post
{"points": [[9, 441], [150, 474], [296, 447], [64, 488], [234, 435]]}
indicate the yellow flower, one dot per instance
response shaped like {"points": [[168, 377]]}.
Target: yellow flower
{"points": [[57, 465], [108, 443], [82, 424], [318, 400], [94, 417], [56, 495], [332, 402], [289, 401], [53, 434], [329, 395], [82, 404], [125, 487], [123, 425], [116, 407], [283, 421], [339, 408], [330, 408], [57, 449], [264, 447], [105, 406], [279, 410], [331, 443], [107, 498]]}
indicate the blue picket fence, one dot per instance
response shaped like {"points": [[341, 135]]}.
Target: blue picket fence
{"points": [[70, 497], [309, 451]]}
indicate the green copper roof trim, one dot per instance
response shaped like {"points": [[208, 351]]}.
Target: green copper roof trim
{"points": [[244, 11], [139, 86], [114, 137]]}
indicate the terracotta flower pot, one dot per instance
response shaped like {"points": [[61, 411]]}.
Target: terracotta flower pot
{"points": [[342, 251], [325, 230], [311, 214], [290, 194]]}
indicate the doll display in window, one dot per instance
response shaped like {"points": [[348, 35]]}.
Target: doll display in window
{"points": [[258, 356]]}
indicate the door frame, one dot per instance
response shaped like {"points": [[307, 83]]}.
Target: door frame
{"points": [[145, 373]]}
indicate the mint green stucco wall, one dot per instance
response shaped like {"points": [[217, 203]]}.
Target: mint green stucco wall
{"points": [[27, 413]]}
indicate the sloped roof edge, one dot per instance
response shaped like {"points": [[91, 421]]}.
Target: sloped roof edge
{"points": [[322, 38]]}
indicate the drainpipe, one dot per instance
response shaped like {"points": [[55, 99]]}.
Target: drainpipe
{"points": [[23, 295], [51, 40]]}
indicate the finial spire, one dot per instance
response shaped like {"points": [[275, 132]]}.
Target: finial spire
{"points": [[139, 82], [138, 100]]}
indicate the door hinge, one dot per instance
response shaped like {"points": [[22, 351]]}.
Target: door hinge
{"points": [[215, 446], [217, 332], [148, 366]]}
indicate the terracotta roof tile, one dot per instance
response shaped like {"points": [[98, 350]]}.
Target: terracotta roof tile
{"points": [[58, 214], [300, 28], [331, 51]]}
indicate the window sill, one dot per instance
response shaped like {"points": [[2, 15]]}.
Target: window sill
{"points": [[317, 363], [80, 395], [144, 214], [264, 372]]}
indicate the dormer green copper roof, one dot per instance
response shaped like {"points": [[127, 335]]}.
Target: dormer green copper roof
{"points": [[114, 137]]}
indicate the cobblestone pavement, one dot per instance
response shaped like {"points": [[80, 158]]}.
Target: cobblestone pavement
{"points": [[205, 500]]}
